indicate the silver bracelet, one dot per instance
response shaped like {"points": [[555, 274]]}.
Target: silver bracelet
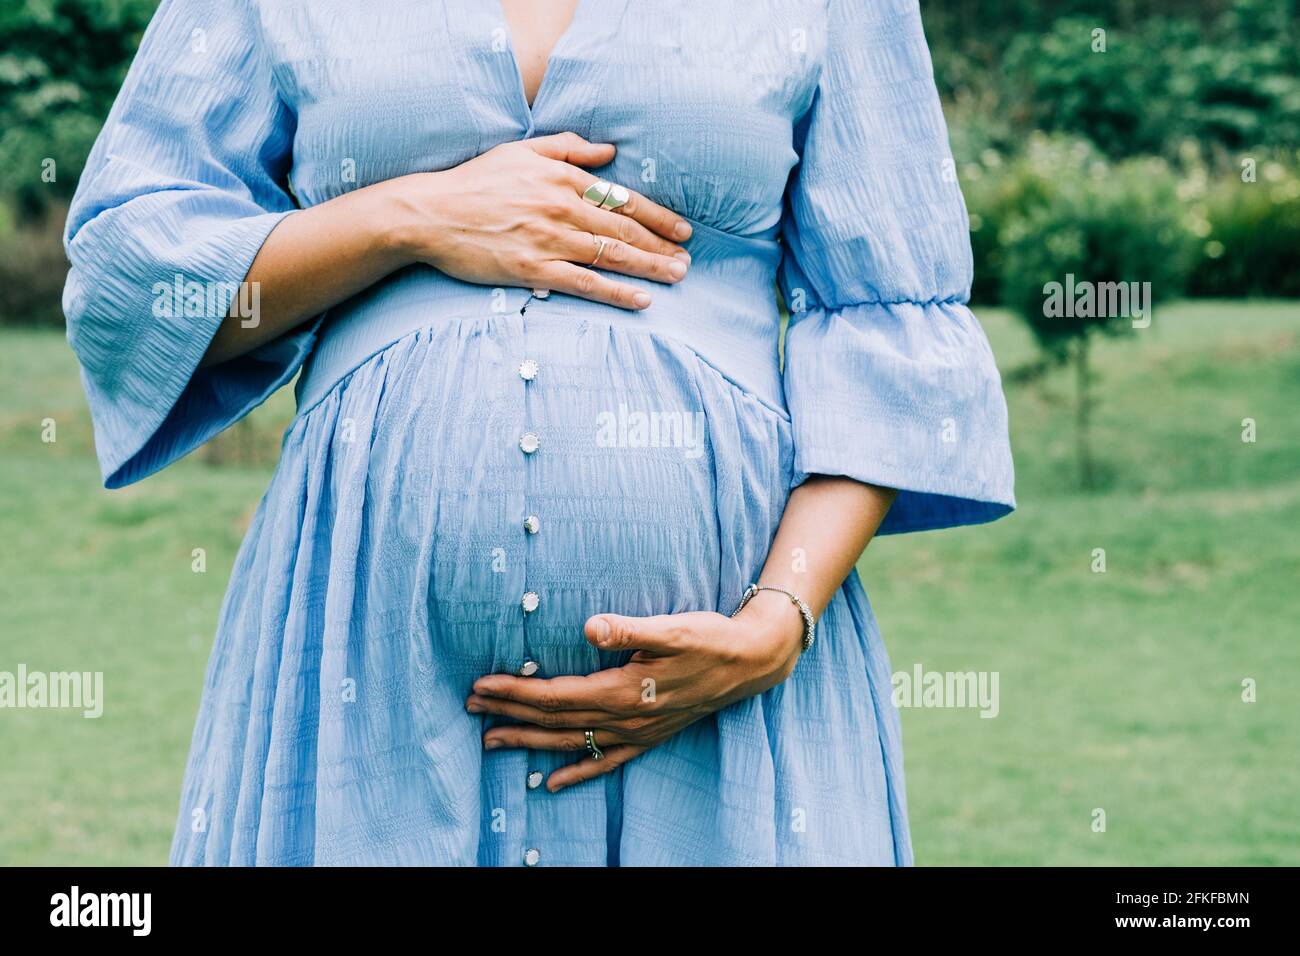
{"points": [[809, 622]]}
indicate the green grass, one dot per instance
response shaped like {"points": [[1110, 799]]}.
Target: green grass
{"points": [[1120, 691]]}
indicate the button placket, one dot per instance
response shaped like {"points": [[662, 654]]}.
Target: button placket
{"points": [[529, 444]]}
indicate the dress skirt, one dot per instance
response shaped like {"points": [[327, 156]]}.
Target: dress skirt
{"points": [[385, 570]]}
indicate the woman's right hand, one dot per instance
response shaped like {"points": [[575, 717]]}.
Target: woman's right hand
{"points": [[515, 216]]}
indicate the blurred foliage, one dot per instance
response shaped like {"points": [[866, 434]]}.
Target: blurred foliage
{"points": [[61, 64], [1249, 232], [1230, 88], [1061, 207], [1223, 72], [1063, 213], [32, 270], [1209, 87]]}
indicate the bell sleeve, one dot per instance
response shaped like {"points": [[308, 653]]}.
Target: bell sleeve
{"points": [[180, 190], [889, 378]]}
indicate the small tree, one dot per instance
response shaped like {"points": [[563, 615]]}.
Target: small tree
{"points": [[1090, 256]]}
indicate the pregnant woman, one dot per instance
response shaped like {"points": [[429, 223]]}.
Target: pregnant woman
{"points": [[496, 607]]}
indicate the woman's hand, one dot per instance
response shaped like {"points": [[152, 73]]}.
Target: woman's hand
{"points": [[515, 216], [685, 667], [690, 665]]}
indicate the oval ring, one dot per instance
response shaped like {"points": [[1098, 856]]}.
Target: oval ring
{"points": [[606, 195]]}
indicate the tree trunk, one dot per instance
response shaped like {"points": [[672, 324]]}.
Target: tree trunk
{"points": [[1083, 414]]}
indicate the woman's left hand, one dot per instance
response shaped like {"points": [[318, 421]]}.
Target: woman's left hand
{"points": [[686, 666]]}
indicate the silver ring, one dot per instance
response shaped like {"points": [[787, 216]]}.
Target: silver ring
{"points": [[596, 752], [600, 249], [606, 195]]}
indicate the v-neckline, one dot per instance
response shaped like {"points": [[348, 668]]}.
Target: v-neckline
{"points": [[530, 109]]}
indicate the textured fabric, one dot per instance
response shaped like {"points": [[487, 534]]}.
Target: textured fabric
{"points": [[385, 566]]}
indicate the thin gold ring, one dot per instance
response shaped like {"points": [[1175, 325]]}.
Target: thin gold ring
{"points": [[600, 249]]}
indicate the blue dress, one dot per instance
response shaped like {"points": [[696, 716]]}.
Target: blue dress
{"points": [[386, 565]]}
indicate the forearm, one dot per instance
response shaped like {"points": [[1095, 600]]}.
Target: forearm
{"points": [[827, 524], [313, 260]]}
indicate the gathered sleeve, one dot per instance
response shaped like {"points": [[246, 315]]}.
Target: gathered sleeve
{"points": [[889, 377], [181, 189]]}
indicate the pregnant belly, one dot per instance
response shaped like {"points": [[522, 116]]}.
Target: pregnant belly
{"points": [[544, 472]]}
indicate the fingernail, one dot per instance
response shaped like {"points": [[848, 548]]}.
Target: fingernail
{"points": [[677, 269], [682, 230], [600, 629], [474, 708], [684, 256], [491, 744], [641, 300]]}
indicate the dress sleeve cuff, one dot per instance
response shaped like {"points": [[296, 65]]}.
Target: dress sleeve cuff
{"points": [[213, 400], [149, 400], [904, 396]]}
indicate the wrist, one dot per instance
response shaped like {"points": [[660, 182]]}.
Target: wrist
{"points": [[775, 620], [399, 216]]}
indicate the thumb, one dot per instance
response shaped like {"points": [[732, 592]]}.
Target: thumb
{"points": [[572, 148], [614, 632]]}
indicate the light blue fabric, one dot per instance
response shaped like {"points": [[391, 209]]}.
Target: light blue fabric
{"points": [[384, 568]]}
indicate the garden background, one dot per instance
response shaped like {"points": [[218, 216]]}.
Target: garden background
{"points": [[1113, 140]]}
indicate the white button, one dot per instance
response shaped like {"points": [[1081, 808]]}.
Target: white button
{"points": [[532, 856], [541, 293], [530, 602], [532, 525], [534, 779], [529, 443], [528, 668], [528, 370]]}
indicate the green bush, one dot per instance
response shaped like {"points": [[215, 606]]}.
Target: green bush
{"points": [[61, 63], [1100, 222], [1002, 191], [1114, 96], [1250, 234], [1217, 235], [1232, 85], [1240, 88]]}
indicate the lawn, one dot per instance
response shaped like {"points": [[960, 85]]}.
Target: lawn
{"points": [[1120, 691]]}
